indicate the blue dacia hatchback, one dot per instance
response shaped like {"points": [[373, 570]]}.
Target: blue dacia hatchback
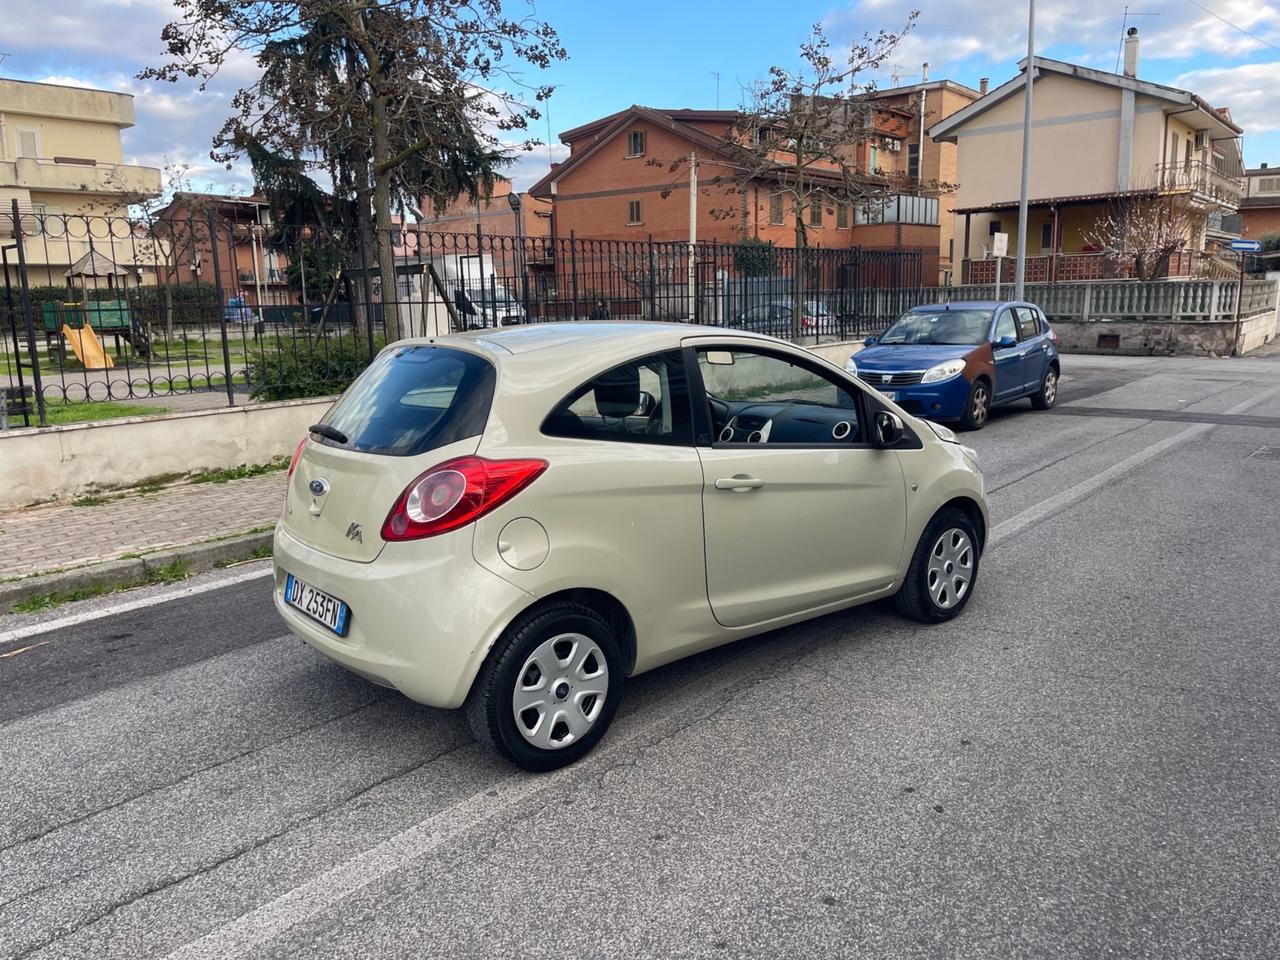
{"points": [[955, 361]]}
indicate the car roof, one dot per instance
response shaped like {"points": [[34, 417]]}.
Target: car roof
{"points": [[578, 339], [971, 305]]}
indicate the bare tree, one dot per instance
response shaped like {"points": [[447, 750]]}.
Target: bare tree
{"points": [[799, 137], [387, 98], [1145, 230]]}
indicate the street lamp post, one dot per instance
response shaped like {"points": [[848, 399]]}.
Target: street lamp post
{"points": [[1020, 275], [513, 199]]}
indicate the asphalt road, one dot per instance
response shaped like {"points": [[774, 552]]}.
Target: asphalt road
{"points": [[1085, 764]]}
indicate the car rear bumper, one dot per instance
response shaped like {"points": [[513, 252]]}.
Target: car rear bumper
{"points": [[424, 614], [944, 400]]}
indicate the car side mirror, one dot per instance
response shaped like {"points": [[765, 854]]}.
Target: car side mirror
{"points": [[1006, 343], [869, 342], [889, 428]]}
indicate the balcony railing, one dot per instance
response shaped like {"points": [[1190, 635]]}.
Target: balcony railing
{"points": [[898, 208], [1202, 180]]}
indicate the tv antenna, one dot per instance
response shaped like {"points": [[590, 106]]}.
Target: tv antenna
{"points": [[1124, 25], [897, 73], [716, 74]]}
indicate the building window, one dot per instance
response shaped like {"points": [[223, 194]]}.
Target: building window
{"points": [[633, 212], [842, 216], [775, 209], [993, 227], [635, 144], [872, 160], [1269, 185], [1046, 237], [28, 144], [815, 213], [913, 161]]}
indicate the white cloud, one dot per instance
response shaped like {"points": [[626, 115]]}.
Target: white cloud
{"points": [[1247, 90], [995, 33]]}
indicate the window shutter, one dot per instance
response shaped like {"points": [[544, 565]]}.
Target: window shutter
{"points": [[27, 143]]}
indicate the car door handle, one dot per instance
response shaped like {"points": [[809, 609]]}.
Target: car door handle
{"points": [[739, 484]]}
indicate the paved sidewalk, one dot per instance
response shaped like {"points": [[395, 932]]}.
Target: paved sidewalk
{"points": [[62, 536]]}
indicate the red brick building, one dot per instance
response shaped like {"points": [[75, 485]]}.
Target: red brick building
{"points": [[627, 178], [494, 216]]}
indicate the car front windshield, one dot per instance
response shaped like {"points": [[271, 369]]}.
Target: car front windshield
{"points": [[956, 327]]}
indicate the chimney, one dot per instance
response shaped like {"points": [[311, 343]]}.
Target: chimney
{"points": [[1131, 53], [984, 85], [1264, 166]]}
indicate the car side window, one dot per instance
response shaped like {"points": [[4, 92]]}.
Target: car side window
{"points": [[1005, 326], [643, 401], [758, 397], [1028, 325]]}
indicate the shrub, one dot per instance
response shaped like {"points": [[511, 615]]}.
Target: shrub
{"points": [[306, 367]]}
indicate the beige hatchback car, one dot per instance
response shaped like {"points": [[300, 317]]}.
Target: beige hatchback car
{"points": [[516, 520]]}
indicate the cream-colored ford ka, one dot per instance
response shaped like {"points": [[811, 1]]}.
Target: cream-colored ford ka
{"points": [[519, 519]]}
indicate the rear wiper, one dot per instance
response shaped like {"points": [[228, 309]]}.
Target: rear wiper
{"points": [[329, 433]]}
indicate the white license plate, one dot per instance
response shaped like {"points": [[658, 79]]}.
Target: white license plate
{"points": [[891, 394], [316, 604]]}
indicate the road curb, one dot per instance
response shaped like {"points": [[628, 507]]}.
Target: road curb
{"points": [[198, 557]]}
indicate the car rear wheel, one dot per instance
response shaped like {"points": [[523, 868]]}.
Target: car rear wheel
{"points": [[549, 688], [943, 571], [978, 405], [1044, 398]]}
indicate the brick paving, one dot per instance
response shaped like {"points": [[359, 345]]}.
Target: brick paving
{"points": [[63, 535]]}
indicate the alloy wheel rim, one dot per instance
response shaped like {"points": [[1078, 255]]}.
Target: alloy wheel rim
{"points": [[950, 571], [560, 691], [1050, 386], [979, 404]]}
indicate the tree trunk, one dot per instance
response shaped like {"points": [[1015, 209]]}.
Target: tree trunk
{"points": [[384, 228]]}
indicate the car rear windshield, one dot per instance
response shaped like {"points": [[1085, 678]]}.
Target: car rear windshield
{"points": [[959, 327], [413, 399]]}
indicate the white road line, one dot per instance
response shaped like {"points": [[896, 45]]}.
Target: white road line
{"points": [[1032, 515], [133, 603]]}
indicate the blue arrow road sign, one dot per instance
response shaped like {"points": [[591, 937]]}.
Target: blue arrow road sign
{"points": [[1247, 246]]}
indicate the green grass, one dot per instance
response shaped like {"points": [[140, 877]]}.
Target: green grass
{"points": [[169, 573], [61, 411], [92, 500], [239, 473]]}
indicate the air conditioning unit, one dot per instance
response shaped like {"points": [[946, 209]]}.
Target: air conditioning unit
{"points": [[1202, 139]]}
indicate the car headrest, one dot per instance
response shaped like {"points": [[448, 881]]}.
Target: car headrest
{"points": [[618, 392]]}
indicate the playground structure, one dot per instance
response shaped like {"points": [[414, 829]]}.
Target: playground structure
{"points": [[87, 347]]}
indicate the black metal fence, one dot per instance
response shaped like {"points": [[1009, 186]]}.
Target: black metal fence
{"points": [[223, 306]]}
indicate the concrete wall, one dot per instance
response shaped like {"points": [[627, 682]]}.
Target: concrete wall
{"points": [[70, 461], [1166, 338]]}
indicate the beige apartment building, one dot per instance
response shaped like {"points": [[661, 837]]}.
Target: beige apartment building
{"points": [[61, 160], [1096, 137]]}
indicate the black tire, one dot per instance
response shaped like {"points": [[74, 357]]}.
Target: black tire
{"points": [[978, 407], [916, 598], [489, 707], [1047, 395]]}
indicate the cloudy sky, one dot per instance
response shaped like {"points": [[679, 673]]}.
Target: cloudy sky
{"points": [[668, 53]]}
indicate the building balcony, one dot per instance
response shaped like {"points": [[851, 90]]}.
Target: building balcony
{"points": [[1203, 181], [1064, 267], [80, 176], [898, 208]]}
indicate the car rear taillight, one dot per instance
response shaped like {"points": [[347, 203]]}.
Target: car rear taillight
{"points": [[455, 493], [296, 454]]}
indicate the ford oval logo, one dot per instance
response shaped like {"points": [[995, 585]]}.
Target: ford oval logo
{"points": [[318, 487]]}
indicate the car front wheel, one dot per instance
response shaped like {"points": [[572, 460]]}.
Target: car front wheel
{"points": [[943, 571], [978, 405], [549, 688]]}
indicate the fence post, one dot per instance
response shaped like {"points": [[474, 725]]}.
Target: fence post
{"points": [[368, 292], [222, 314], [17, 342], [25, 298], [653, 283], [573, 266]]}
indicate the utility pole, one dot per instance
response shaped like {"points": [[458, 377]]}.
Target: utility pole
{"points": [[924, 79], [1020, 273], [693, 233]]}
